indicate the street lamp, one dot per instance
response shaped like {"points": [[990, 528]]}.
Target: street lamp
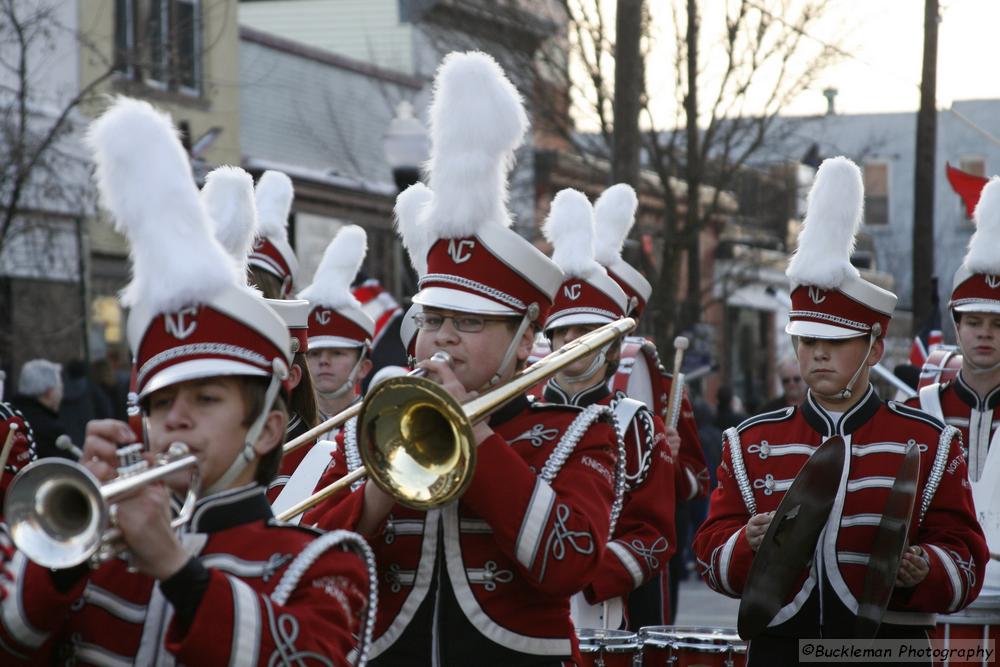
{"points": [[406, 146]]}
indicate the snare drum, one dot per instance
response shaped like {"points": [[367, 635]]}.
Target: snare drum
{"points": [[607, 648], [942, 365], [972, 623], [680, 646], [640, 374]]}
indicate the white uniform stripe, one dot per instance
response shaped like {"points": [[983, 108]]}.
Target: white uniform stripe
{"points": [[97, 655], [879, 448], [628, 561], [15, 620], [724, 558], [855, 557], [870, 483], [246, 628], [785, 450], [530, 535], [957, 587], [114, 605], [860, 520]]}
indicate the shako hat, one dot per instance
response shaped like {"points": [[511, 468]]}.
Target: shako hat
{"points": [[614, 216], [830, 299], [336, 318], [976, 287], [192, 315], [474, 262], [271, 251], [587, 295]]}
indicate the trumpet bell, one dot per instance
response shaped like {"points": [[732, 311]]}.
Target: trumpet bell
{"points": [[54, 513], [416, 442]]}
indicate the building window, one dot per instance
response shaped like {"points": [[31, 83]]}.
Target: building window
{"points": [[159, 43], [876, 175]]}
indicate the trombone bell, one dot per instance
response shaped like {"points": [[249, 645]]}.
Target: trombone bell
{"points": [[417, 444]]}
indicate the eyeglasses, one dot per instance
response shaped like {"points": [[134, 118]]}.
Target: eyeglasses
{"points": [[463, 323], [790, 380]]}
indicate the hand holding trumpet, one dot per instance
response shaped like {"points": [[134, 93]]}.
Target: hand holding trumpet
{"points": [[143, 516]]}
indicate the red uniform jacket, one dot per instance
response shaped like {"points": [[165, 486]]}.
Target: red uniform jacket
{"points": [[22, 450], [761, 458], [487, 580], [112, 616], [957, 404], [644, 538]]}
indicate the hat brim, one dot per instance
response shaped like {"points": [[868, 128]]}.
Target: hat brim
{"points": [[978, 307], [804, 329], [446, 298], [198, 369], [575, 319], [320, 342]]}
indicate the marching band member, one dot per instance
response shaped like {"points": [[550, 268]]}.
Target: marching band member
{"points": [[644, 536], [234, 587], [228, 196], [838, 322], [653, 602], [273, 266], [339, 341], [487, 580], [969, 402]]}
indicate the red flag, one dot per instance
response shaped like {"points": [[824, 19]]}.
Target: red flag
{"points": [[967, 186]]}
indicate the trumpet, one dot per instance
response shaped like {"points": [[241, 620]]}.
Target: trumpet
{"points": [[61, 516], [416, 441], [347, 414]]}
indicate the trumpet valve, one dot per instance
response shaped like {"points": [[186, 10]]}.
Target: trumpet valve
{"points": [[131, 460]]}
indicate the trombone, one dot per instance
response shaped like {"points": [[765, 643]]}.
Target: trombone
{"points": [[347, 413], [60, 515], [416, 441]]}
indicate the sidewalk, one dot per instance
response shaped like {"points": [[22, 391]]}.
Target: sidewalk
{"points": [[700, 606]]}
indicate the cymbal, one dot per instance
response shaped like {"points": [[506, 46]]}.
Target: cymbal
{"points": [[790, 541], [888, 547]]}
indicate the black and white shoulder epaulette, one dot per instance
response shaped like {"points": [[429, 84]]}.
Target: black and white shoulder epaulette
{"points": [[312, 530], [915, 413], [779, 415]]}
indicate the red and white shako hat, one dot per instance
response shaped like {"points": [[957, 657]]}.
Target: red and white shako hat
{"points": [[976, 287], [614, 216], [192, 315], [587, 295], [271, 251], [830, 299], [229, 200], [475, 262], [336, 318]]}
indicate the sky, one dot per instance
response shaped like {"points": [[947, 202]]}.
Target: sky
{"points": [[883, 40]]}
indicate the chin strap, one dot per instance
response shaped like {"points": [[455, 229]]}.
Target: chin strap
{"points": [[599, 360], [248, 454], [348, 383], [529, 316], [848, 391]]}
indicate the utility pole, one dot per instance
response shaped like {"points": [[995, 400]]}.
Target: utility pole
{"points": [[629, 84], [923, 178]]}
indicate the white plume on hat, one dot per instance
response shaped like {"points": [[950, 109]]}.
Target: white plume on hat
{"points": [[614, 215], [833, 215], [984, 246], [331, 286], [411, 224], [477, 119], [229, 201], [144, 180], [274, 195], [570, 230]]}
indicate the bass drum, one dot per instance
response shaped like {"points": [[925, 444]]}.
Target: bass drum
{"points": [[640, 374], [942, 365]]}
